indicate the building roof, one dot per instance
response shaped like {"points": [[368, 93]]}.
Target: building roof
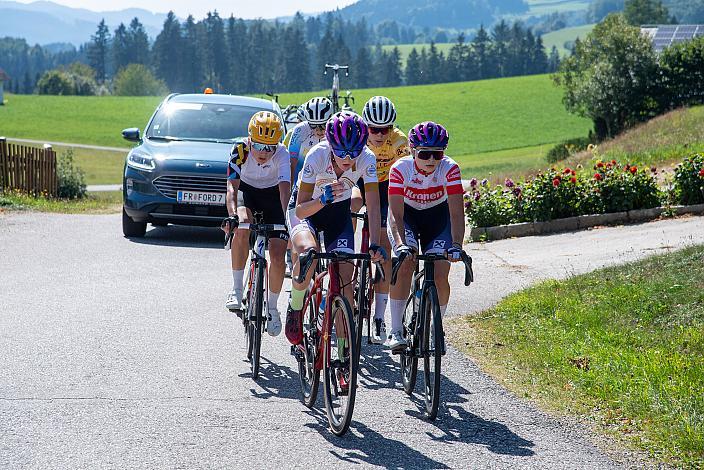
{"points": [[4, 76], [665, 35]]}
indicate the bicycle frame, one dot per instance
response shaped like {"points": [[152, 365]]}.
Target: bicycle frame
{"points": [[335, 95]]}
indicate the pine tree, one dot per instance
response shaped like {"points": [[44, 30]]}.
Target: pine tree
{"points": [[192, 76], [167, 52], [501, 36], [215, 52], [393, 68], [423, 61], [98, 51], [138, 43], [363, 68], [539, 57], [554, 60], [237, 45], [481, 47], [434, 64], [120, 48], [456, 59], [413, 70]]}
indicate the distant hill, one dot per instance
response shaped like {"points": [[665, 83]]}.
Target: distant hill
{"points": [[45, 22], [458, 14]]}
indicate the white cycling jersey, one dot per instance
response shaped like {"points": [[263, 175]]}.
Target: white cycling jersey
{"points": [[259, 175], [421, 190], [318, 170]]}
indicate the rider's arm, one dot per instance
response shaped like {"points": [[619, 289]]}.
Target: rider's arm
{"points": [[293, 143], [396, 205], [284, 179], [305, 205], [455, 203], [371, 191], [234, 169], [231, 198]]}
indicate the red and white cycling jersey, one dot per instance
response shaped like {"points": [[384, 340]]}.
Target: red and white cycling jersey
{"points": [[421, 190]]}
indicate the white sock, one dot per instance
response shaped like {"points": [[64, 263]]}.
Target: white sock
{"points": [[380, 301], [443, 309], [273, 299], [396, 308], [237, 278]]}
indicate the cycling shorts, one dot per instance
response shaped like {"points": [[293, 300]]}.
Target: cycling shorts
{"points": [[383, 199], [428, 229], [265, 201], [333, 221]]}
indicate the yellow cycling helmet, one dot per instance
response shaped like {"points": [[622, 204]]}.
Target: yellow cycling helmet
{"points": [[265, 128]]}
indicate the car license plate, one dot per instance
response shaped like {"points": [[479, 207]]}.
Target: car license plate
{"points": [[190, 197]]}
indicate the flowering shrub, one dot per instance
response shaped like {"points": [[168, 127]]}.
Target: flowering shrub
{"points": [[487, 206], [556, 195], [689, 180], [624, 187]]}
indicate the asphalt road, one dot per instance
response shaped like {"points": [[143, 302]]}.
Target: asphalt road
{"points": [[118, 353]]}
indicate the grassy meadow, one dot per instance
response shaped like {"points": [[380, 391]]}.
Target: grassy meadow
{"points": [[620, 348], [559, 37]]}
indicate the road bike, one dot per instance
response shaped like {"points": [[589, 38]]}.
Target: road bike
{"points": [[335, 93], [329, 343], [254, 313], [423, 330]]}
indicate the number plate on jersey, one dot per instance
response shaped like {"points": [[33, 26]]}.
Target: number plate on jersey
{"points": [[190, 197]]}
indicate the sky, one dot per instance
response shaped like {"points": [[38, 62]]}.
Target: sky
{"points": [[240, 8]]}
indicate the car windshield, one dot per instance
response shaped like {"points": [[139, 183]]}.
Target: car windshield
{"points": [[208, 122]]}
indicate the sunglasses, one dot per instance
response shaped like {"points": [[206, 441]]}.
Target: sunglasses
{"points": [[347, 153], [317, 127], [379, 130], [263, 147], [427, 154]]}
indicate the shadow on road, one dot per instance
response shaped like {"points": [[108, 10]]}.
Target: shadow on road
{"points": [[182, 236]]}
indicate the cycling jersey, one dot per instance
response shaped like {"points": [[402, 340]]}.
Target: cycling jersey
{"points": [[259, 175], [394, 147], [299, 142], [421, 190], [318, 171]]}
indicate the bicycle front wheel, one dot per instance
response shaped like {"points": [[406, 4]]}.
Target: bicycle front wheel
{"points": [[409, 363], [362, 308], [432, 352], [340, 366], [308, 374], [256, 318]]}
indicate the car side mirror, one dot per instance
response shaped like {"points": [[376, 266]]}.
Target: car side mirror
{"points": [[131, 134]]}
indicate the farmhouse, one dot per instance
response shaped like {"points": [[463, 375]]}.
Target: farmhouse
{"points": [[3, 78]]}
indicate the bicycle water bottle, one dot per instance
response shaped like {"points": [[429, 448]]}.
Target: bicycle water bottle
{"points": [[321, 314]]}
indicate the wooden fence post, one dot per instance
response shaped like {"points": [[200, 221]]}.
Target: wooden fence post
{"points": [[3, 163], [52, 177]]}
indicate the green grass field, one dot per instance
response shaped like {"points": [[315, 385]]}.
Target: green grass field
{"points": [[620, 348], [546, 7], [559, 37], [512, 115]]}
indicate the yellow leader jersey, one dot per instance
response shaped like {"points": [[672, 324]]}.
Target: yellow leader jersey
{"points": [[394, 147]]}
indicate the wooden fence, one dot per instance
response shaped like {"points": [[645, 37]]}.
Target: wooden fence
{"points": [[31, 170]]}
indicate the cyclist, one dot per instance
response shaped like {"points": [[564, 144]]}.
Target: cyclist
{"points": [[259, 180], [388, 144], [426, 213], [321, 203], [306, 134]]}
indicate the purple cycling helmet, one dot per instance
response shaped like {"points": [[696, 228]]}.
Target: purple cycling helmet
{"points": [[347, 132], [428, 134]]}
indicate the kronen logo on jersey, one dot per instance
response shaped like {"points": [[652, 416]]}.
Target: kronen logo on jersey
{"points": [[425, 195]]}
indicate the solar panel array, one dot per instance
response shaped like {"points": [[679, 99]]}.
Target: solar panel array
{"points": [[665, 35]]}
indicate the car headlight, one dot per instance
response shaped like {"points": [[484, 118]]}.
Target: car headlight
{"points": [[141, 161]]}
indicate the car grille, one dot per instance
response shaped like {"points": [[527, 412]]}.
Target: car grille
{"points": [[190, 209], [169, 185]]}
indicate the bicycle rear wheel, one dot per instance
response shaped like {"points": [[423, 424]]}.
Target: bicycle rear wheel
{"points": [[256, 317], [308, 374], [340, 366], [409, 364], [432, 352]]}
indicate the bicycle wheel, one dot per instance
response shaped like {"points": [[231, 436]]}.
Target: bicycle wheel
{"points": [[340, 366], [245, 313], [432, 352], [256, 318], [361, 309], [308, 374], [409, 364]]}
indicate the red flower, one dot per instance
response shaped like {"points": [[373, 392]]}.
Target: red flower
{"points": [[573, 173], [701, 172], [597, 176], [600, 165], [613, 162], [567, 171], [653, 169], [634, 169], [556, 182], [573, 180]]}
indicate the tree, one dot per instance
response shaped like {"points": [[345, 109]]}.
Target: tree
{"points": [[611, 78], [215, 52], [98, 51], [362, 68], [137, 43], [167, 53], [120, 48], [393, 68], [138, 80], [237, 45], [192, 76], [640, 12], [56, 82], [481, 51], [682, 67], [553, 60]]}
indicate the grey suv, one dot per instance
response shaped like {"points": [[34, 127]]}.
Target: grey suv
{"points": [[178, 172]]}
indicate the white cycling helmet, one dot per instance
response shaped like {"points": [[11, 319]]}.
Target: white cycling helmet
{"points": [[300, 113], [317, 110], [379, 111]]}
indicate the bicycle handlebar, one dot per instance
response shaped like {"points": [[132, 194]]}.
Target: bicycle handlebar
{"points": [[466, 259], [305, 261], [259, 228]]}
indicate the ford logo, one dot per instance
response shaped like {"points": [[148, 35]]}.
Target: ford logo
{"points": [[202, 165]]}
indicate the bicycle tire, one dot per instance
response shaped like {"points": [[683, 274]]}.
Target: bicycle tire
{"points": [[257, 326], [339, 422], [432, 353], [309, 376], [245, 314], [370, 296], [362, 302], [409, 364]]}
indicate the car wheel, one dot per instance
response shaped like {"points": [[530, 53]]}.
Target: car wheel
{"points": [[130, 228]]}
